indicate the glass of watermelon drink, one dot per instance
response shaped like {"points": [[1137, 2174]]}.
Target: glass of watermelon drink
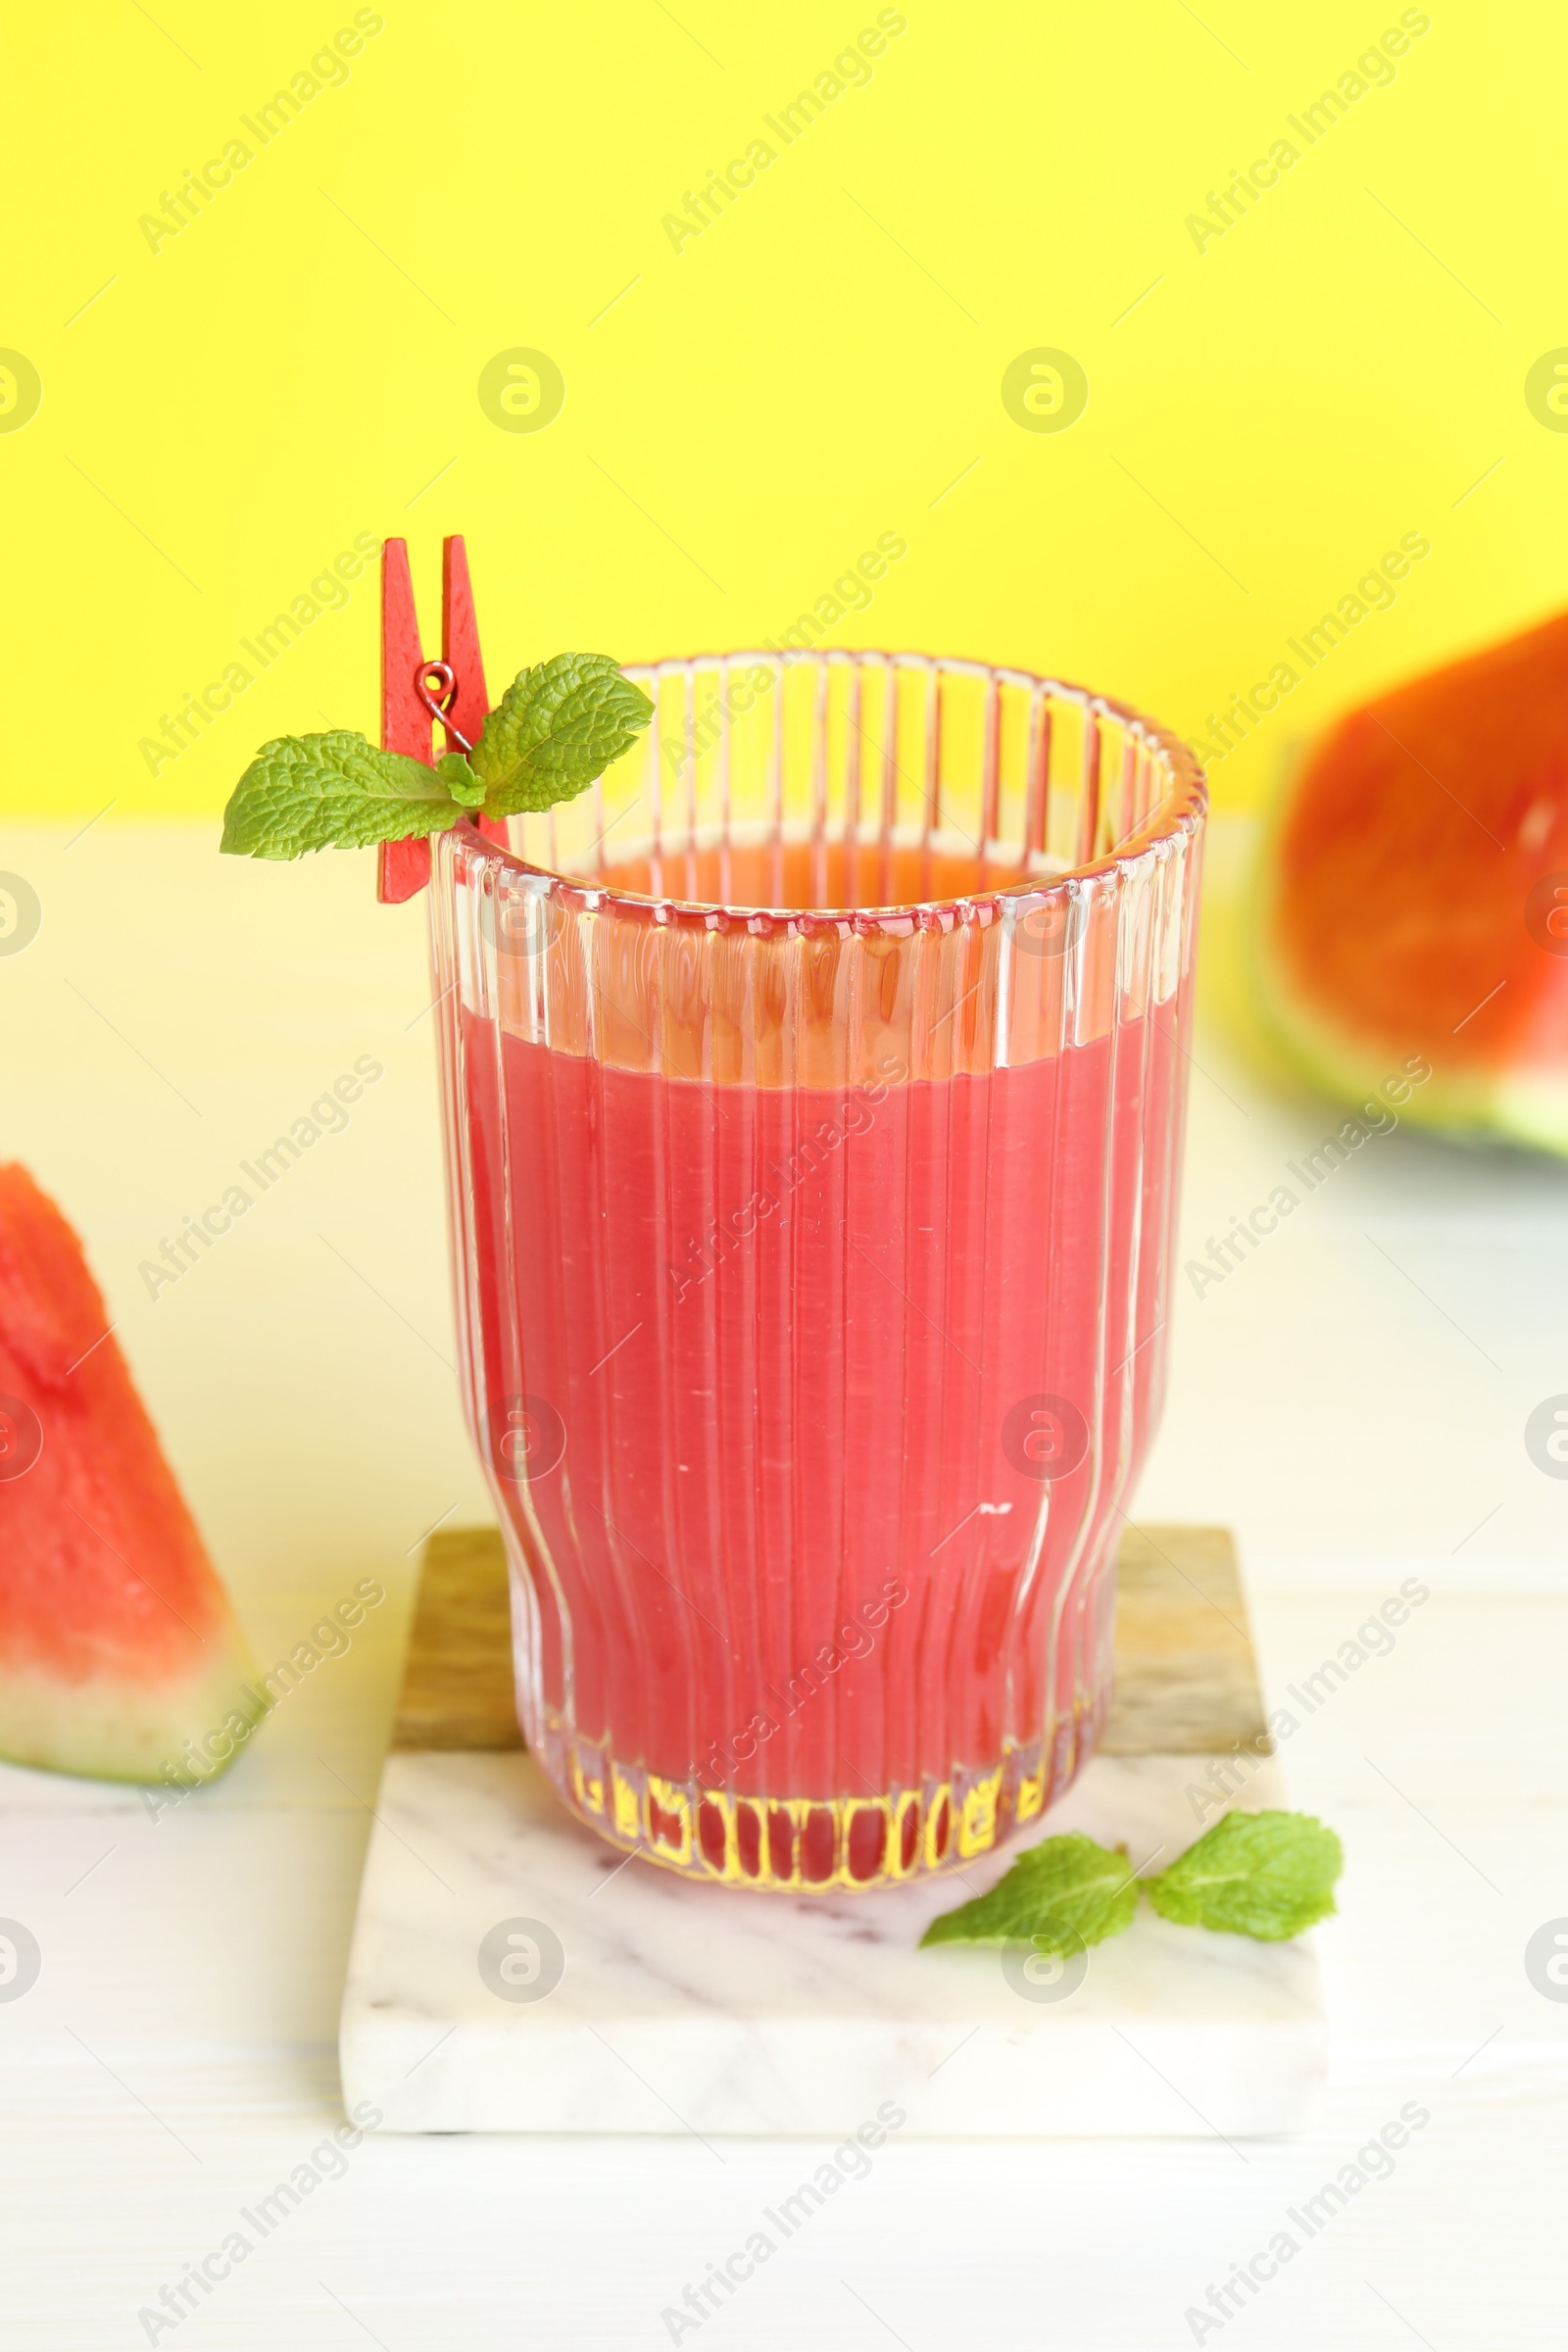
{"points": [[813, 1091]]}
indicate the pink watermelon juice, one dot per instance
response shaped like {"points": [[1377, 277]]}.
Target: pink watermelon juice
{"points": [[808, 1424]]}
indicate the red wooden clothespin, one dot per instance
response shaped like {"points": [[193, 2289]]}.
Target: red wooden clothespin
{"points": [[409, 706]]}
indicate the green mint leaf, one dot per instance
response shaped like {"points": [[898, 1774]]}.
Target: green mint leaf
{"points": [[326, 792], [460, 780], [557, 727], [1058, 1895], [1268, 1874]]}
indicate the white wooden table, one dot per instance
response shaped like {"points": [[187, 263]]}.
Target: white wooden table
{"points": [[1353, 1402]]}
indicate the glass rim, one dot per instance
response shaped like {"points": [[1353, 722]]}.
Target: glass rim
{"points": [[1177, 812]]}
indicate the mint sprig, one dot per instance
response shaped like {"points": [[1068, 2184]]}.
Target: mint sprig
{"points": [[1067, 1891], [1265, 1875], [322, 792], [557, 727]]}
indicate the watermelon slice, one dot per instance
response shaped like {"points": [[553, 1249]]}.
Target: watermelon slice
{"points": [[120, 1654], [1414, 899]]}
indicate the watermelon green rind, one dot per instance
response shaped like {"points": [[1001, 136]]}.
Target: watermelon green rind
{"points": [[1521, 1105], [119, 1652], [1387, 911], [107, 1731], [1512, 1107]]}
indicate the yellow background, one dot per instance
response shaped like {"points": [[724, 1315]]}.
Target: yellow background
{"points": [[816, 368]]}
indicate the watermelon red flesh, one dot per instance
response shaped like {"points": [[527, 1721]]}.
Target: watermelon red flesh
{"points": [[120, 1654], [1398, 896]]}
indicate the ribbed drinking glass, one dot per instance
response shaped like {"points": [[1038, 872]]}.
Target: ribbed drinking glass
{"points": [[814, 1092]]}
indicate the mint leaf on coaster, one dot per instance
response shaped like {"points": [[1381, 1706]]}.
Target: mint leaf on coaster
{"points": [[1268, 1874], [326, 792], [557, 727], [1062, 1895]]}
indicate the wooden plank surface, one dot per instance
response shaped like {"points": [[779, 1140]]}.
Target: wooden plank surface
{"points": [[457, 1682], [1186, 1677]]}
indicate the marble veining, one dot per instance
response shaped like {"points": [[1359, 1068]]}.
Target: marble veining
{"points": [[666, 2006]]}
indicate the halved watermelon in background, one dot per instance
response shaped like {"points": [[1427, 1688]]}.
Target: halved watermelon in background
{"points": [[120, 1654], [1414, 897]]}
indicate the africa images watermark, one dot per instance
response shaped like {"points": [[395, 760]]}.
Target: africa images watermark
{"points": [[1373, 70], [21, 914], [850, 2161], [327, 1115], [328, 592], [852, 592], [729, 1233], [1546, 389], [856, 1638], [1372, 593], [1372, 1117], [21, 1960], [330, 1639], [21, 390], [850, 69], [327, 70], [327, 2161], [1228, 1775], [1374, 2160]]}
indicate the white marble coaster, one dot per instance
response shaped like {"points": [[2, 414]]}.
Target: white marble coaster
{"points": [[636, 2001]]}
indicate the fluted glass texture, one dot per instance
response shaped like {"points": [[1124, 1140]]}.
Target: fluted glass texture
{"points": [[813, 1091]]}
